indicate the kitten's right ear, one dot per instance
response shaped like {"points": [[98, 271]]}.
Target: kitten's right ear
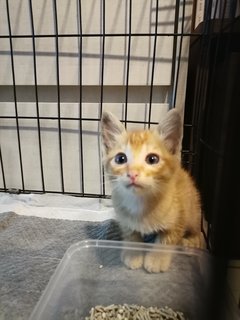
{"points": [[111, 128], [170, 129]]}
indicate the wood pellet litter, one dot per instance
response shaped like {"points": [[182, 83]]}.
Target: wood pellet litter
{"points": [[133, 312]]}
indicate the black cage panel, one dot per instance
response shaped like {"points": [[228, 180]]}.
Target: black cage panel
{"points": [[212, 106]]}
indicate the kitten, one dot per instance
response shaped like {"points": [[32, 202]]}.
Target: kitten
{"points": [[153, 196]]}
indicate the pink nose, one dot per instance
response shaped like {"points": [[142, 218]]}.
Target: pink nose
{"points": [[132, 176]]}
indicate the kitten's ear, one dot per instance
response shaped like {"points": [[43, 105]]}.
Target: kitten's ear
{"points": [[170, 129], [111, 128]]}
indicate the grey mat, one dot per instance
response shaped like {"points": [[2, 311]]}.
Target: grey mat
{"points": [[30, 250]]}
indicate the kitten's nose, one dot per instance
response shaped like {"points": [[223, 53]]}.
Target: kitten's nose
{"points": [[132, 176]]}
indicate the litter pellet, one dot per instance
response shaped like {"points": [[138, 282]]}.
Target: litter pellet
{"points": [[133, 312]]}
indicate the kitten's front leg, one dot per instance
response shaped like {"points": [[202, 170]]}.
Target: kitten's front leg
{"points": [[155, 262], [195, 241], [133, 259]]}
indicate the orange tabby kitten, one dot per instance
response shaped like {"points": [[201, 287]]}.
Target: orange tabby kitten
{"points": [[152, 195]]}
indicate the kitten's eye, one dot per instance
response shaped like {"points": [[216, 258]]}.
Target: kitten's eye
{"points": [[152, 158], [121, 158]]}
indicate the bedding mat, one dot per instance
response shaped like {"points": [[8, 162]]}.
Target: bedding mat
{"points": [[32, 247], [30, 250]]}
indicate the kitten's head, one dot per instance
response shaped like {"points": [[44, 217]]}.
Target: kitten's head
{"points": [[143, 161]]}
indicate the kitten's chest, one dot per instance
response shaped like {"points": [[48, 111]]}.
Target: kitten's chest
{"points": [[128, 203], [135, 214]]}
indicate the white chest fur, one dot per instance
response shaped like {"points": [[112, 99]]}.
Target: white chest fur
{"points": [[127, 202], [131, 212]]}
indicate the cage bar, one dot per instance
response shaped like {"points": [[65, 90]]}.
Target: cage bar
{"points": [[80, 97], [15, 93], [153, 66], [58, 93], [36, 94], [128, 60], [2, 169]]}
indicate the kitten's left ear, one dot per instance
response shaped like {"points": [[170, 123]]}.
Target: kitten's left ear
{"points": [[170, 129], [111, 128]]}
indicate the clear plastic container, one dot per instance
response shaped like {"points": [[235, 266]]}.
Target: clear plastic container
{"points": [[91, 273]]}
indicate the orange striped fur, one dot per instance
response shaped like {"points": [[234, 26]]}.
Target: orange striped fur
{"points": [[151, 197]]}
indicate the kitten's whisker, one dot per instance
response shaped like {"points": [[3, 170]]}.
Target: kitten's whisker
{"points": [[106, 174], [115, 187], [106, 182], [111, 178]]}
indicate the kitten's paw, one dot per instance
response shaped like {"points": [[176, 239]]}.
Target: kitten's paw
{"points": [[132, 259], [156, 262], [196, 241]]}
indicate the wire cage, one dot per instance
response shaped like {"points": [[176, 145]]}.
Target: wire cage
{"points": [[63, 62], [211, 107]]}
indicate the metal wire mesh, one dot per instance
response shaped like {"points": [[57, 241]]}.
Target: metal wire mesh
{"points": [[211, 108], [179, 29], [16, 94]]}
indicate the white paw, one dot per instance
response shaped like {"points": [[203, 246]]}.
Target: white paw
{"points": [[132, 259], [157, 262]]}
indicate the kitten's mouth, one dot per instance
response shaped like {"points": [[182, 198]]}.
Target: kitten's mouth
{"points": [[134, 185]]}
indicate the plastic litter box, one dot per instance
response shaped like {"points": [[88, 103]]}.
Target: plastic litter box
{"points": [[91, 273]]}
